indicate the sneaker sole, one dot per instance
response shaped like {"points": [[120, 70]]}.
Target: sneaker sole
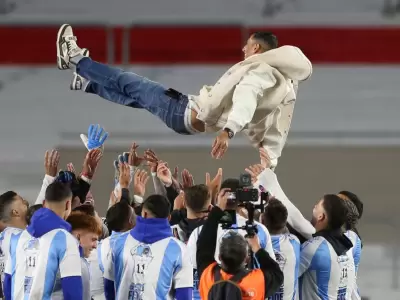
{"points": [[73, 83], [60, 62]]}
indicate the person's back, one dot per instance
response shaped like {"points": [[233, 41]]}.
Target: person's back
{"points": [[148, 262], [45, 261], [328, 275], [355, 254], [287, 254], [13, 212]]}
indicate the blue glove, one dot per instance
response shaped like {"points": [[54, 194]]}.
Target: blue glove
{"points": [[96, 137], [64, 177]]}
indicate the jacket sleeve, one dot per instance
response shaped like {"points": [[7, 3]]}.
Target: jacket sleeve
{"points": [[159, 187], [47, 180], [207, 240], [273, 276], [269, 181], [245, 98], [70, 268], [72, 288], [125, 196]]}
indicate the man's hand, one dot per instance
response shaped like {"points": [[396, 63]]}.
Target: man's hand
{"points": [[152, 160], [220, 145], [134, 160], [254, 171], [164, 173], [223, 198], [139, 182], [264, 157], [51, 161], [124, 175], [215, 184], [187, 179], [254, 243], [179, 201], [91, 162]]}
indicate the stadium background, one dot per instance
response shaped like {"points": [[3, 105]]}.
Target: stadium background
{"points": [[345, 133]]}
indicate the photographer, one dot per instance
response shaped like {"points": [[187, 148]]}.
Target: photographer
{"points": [[234, 255]]}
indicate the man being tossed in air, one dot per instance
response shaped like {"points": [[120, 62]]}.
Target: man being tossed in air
{"points": [[256, 95]]}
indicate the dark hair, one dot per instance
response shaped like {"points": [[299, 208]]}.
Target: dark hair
{"points": [[5, 201], [57, 192], [118, 216], [196, 197], [275, 215], [233, 251], [233, 184], [336, 211], [31, 210], [158, 205], [87, 209], [357, 202], [267, 39]]}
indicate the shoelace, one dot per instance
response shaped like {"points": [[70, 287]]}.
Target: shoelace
{"points": [[71, 43]]}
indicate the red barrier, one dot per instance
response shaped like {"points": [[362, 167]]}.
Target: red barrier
{"points": [[202, 44]]}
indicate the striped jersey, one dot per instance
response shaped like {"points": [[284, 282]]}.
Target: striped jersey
{"points": [[5, 238], [323, 274], [287, 253], [37, 265], [263, 236], [149, 271], [355, 252]]}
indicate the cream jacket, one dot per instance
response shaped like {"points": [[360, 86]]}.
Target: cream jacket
{"points": [[256, 96]]}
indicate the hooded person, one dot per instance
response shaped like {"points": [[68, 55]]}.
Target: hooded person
{"points": [[256, 95], [45, 260], [148, 262]]}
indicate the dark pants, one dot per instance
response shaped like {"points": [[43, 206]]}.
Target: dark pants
{"points": [[132, 90]]}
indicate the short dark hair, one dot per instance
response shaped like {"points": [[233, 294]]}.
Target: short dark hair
{"points": [[356, 200], [233, 251], [158, 205], [267, 39], [275, 215], [336, 211], [196, 197], [87, 209], [31, 210], [6, 199], [57, 192], [117, 216]]}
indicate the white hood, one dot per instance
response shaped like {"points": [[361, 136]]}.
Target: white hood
{"points": [[288, 60]]}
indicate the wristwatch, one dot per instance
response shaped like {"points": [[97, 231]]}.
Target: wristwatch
{"points": [[230, 133]]}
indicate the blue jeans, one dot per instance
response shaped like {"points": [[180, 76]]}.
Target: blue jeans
{"points": [[132, 90]]}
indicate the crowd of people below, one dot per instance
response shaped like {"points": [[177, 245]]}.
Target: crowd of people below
{"points": [[174, 244]]}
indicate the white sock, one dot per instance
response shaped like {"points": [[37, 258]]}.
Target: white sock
{"points": [[73, 61]]}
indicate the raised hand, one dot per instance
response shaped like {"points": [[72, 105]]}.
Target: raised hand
{"points": [[51, 161], [152, 160], [134, 160], [254, 171], [164, 174], [91, 162], [95, 138], [139, 182], [187, 179], [124, 175], [214, 185]]}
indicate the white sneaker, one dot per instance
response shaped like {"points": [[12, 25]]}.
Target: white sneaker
{"points": [[79, 83], [66, 47]]}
